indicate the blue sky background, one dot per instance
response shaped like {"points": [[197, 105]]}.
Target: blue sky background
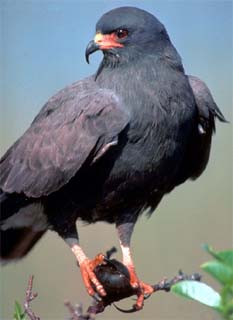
{"points": [[42, 50]]}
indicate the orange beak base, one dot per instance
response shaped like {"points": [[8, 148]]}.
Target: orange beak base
{"points": [[107, 41]]}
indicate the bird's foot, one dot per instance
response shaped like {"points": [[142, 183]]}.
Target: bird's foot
{"points": [[138, 284], [142, 290], [92, 284]]}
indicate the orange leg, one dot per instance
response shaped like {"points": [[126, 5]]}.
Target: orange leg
{"points": [[87, 266], [143, 289], [89, 278]]}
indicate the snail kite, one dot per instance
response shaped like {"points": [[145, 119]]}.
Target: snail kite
{"points": [[110, 146]]}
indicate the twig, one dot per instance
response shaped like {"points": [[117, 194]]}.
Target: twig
{"points": [[76, 312], [115, 274], [166, 285], [115, 278], [29, 297], [163, 285]]}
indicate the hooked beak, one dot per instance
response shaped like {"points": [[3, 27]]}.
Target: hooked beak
{"points": [[91, 48], [102, 42]]}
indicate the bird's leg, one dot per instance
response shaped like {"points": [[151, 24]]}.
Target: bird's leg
{"points": [[124, 233], [92, 284]]}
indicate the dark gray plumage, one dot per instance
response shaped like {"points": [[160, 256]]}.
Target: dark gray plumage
{"points": [[111, 145], [73, 125]]}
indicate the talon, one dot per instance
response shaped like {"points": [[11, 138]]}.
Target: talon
{"points": [[90, 280], [147, 295], [143, 288], [134, 285], [143, 291], [140, 301], [97, 297]]}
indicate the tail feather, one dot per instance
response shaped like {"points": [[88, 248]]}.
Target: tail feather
{"points": [[16, 243], [22, 224]]}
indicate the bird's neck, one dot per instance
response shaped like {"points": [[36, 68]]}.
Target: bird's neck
{"points": [[129, 81], [124, 62], [116, 61], [138, 81]]}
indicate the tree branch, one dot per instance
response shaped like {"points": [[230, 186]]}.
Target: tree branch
{"points": [[112, 274]]}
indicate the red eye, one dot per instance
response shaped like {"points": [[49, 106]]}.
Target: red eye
{"points": [[122, 33]]}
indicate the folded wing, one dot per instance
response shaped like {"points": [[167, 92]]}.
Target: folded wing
{"points": [[74, 126], [207, 112]]}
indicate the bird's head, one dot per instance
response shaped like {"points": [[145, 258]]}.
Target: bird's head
{"points": [[126, 32]]}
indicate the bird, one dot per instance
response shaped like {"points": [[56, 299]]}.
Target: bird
{"points": [[108, 147]]}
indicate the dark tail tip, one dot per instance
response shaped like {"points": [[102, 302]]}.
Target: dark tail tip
{"points": [[16, 243]]}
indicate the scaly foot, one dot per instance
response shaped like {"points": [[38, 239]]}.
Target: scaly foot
{"points": [[90, 280], [143, 290]]}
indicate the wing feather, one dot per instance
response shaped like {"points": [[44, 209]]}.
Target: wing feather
{"points": [[207, 112], [73, 125]]}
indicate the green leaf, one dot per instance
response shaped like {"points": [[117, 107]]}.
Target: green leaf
{"points": [[198, 291], [225, 256], [18, 313], [220, 271], [211, 251]]}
